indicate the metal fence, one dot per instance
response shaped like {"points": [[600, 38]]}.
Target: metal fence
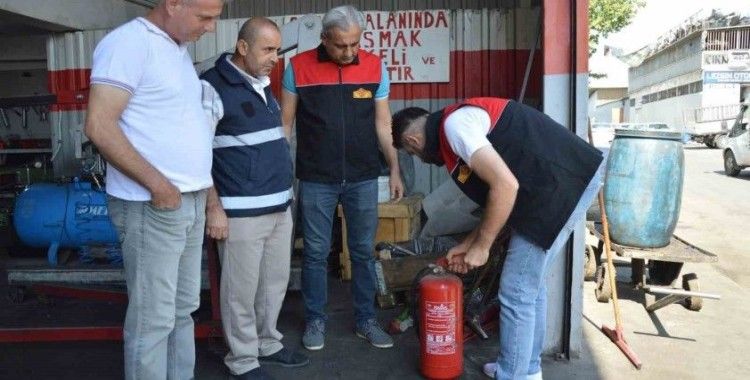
{"points": [[727, 39]]}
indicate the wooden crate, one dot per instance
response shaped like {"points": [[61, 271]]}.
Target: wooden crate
{"points": [[397, 221], [396, 275]]}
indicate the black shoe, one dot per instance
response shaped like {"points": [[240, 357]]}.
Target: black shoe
{"points": [[254, 374], [285, 358]]}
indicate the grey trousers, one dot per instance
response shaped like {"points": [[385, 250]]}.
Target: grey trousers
{"points": [[162, 257], [255, 263]]}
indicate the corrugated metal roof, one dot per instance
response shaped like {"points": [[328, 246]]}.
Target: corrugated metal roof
{"points": [[250, 8]]}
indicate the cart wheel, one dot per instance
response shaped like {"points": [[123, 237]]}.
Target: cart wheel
{"points": [[603, 290], [663, 272], [690, 283], [589, 267], [16, 294], [637, 272]]}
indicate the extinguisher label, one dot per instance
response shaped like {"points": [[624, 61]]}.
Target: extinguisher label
{"points": [[440, 328]]}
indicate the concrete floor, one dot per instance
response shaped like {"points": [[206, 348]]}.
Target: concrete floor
{"points": [[715, 212], [344, 357], [672, 342]]}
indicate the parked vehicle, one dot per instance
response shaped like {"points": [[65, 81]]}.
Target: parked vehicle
{"points": [[737, 151], [647, 126], [604, 133], [710, 125]]}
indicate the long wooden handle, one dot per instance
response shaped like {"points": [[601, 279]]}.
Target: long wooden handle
{"points": [[605, 226], [610, 265]]}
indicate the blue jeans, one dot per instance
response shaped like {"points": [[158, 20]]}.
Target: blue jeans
{"points": [[360, 203], [523, 293], [162, 258]]}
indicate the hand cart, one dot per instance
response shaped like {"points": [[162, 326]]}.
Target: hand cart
{"points": [[664, 267]]}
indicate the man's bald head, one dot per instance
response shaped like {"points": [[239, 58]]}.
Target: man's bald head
{"points": [[257, 47], [186, 20], [252, 27]]}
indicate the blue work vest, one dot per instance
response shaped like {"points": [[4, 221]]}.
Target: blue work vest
{"points": [[252, 166]]}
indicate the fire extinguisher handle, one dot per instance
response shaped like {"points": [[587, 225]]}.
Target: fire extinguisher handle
{"points": [[442, 262]]}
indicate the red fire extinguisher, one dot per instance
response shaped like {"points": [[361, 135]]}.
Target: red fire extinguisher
{"points": [[441, 324]]}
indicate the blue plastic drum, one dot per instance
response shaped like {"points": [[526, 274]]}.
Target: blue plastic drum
{"points": [[643, 187]]}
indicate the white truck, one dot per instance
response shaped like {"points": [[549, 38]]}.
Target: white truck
{"points": [[710, 125], [737, 150]]}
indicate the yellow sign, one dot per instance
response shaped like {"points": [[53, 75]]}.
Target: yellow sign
{"points": [[463, 173], [361, 93]]}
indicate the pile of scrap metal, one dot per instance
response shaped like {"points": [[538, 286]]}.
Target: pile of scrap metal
{"points": [[402, 265], [449, 216]]}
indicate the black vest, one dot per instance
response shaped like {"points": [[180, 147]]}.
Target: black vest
{"points": [[553, 167], [252, 165], [336, 137]]}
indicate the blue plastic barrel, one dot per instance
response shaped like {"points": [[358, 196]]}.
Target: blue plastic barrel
{"points": [[643, 187]]}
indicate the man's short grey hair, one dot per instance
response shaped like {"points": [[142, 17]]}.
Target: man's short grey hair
{"points": [[342, 17]]}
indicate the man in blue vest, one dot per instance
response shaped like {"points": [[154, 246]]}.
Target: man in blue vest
{"points": [[247, 210], [338, 95], [529, 173]]}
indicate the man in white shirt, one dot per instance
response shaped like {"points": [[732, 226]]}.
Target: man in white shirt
{"points": [[145, 116], [248, 207]]}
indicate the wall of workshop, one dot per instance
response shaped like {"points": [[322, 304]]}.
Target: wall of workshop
{"points": [[23, 73], [24, 83], [489, 49], [250, 8], [490, 45]]}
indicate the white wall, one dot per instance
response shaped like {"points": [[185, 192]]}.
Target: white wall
{"points": [[665, 111], [603, 112], [693, 76], [592, 104], [679, 59], [719, 94]]}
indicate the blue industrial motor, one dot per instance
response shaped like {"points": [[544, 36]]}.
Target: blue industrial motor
{"points": [[69, 215]]}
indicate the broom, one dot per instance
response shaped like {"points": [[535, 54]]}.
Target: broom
{"points": [[615, 335]]}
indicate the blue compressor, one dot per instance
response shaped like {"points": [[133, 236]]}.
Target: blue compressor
{"points": [[72, 215]]}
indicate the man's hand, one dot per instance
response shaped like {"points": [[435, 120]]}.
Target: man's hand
{"points": [[456, 254], [166, 196], [476, 256], [397, 187], [461, 260], [456, 262], [217, 223]]}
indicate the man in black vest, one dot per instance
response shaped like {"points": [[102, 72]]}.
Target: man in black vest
{"points": [[338, 95], [248, 208], [528, 172]]}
